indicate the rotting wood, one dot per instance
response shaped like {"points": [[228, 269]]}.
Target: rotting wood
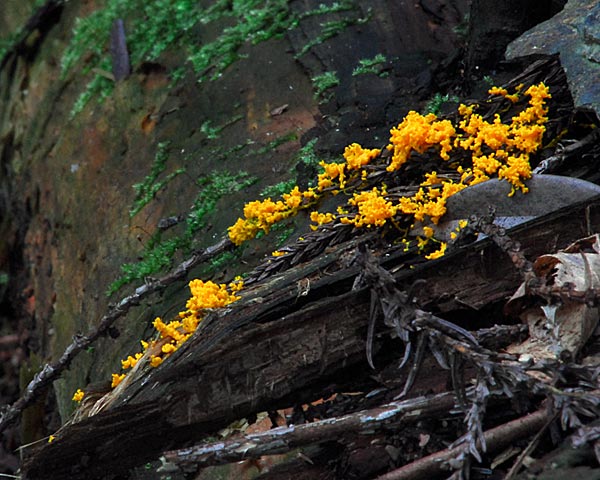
{"points": [[276, 346]]}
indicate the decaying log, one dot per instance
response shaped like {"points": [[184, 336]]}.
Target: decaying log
{"points": [[291, 336]]}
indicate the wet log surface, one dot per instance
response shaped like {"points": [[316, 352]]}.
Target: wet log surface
{"points": [[293, 338]]}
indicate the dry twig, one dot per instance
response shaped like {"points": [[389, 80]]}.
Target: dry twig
{"points": [[497, 438], [283, 439]]}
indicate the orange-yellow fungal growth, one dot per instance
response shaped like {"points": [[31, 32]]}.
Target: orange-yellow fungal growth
{"points": [[130, 361], [510, 145], [155, 361], [321, 218], [419, 133], [172, 335], [438, 253], [78, 395], [373, 209], [208, 295], [502, 91], [493, 148], [116, 379], [429, 202], [357, 156], [332, 172], [261, 215]]}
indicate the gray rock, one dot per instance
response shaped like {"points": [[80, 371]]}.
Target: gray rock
{"points": [[574, 34]]}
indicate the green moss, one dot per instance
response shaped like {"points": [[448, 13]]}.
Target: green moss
{"points": [[150, 186], [371, 65], [334, 7], [275, 191], [331, 29], [283, 233], [434, 104], [489, 80], [153, 26], [462, 29], [220, 262], [322, 83], [212, 189], [154, 260], [8, 40], [7, 43], [212, 133], [273, 144], [256, 21], [159, 253], [305, 155]]}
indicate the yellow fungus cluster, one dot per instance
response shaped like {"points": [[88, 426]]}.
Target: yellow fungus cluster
{"points": [[514, 98], [78, 395], [321, 218], [492, 148], [419, 133], [438, 253], [502, 149], [175, 333], [261, 215], [171, 335], [357, 157], [495, 149], [373, 209]]}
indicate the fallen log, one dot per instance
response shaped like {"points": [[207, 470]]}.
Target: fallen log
{"points": [[293, 335]]}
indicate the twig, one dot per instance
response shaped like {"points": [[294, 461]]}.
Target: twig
{"points": [[283, 439], [51, 372], [532, 445], [512, 248], [496, 439], [553, 163]]}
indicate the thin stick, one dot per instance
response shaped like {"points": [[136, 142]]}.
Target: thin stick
{"points": [[283, 439], [534, 442], [496, 439]]}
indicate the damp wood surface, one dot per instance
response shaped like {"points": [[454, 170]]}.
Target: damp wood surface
{"points": [[283, 344]]}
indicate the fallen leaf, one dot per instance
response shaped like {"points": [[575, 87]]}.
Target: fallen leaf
{"points": [[560, 326]]}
